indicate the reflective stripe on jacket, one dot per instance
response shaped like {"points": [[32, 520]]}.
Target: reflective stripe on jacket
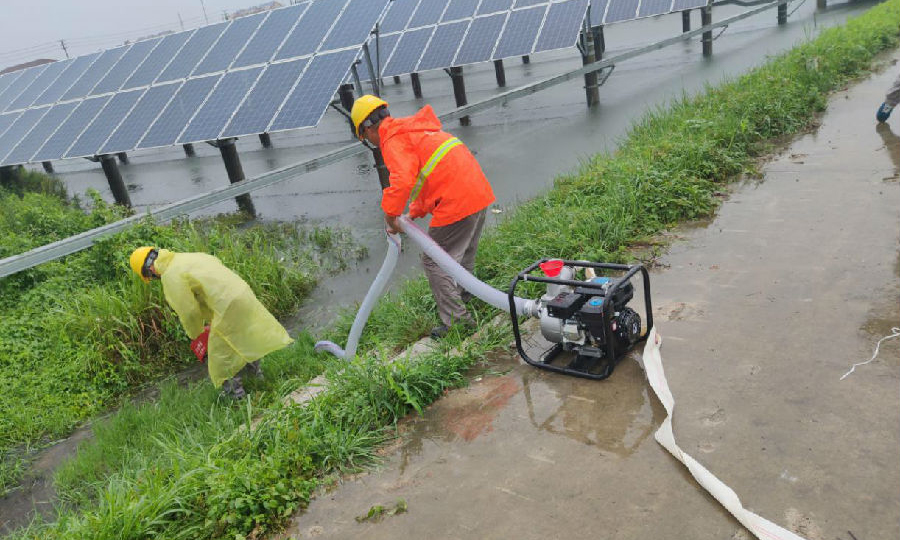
{"points": [[432, 169]]}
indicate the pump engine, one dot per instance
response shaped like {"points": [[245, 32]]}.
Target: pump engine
{"points": [[590, 319]]}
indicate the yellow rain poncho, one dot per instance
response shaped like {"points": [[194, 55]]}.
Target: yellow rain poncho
{"points": [[202, 290]]}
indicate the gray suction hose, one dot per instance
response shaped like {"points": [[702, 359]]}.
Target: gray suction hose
{"points": [[368, 303], [467, 281]]}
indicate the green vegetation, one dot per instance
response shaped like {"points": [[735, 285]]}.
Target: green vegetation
{"points": [[185, 482], [80, 333]]}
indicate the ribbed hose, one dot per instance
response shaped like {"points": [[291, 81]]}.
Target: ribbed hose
{"points": [[368, 303], [463, 278]]}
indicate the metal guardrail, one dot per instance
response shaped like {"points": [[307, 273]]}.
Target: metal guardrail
{"points": [[84, 240]]}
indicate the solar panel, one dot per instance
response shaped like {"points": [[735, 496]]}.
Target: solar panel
{"points": [[408, 51], [125, 66], [68, 77], [520, 32], [56, 146], [681, 5], [480, 40], [157, 60], [398, 15], [263, 101], [169, 125], [40, 83], [459, 9], [220, 105], [19, 85], [226, 83], [270, 35], [354, 25], [562, 25], [19, 128], [92, 76], [429, 12], [598, 10], [40, 133], [654, 7], [7, 120], [493, 6], [193, 51], [308, 101], [135, 125], [311, 29], [230, 44], [89, 142], [443, 46], [7, 78], [621, 10]]}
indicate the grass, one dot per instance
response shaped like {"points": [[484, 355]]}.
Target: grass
{"points": [[81, 334], [247, 482]]}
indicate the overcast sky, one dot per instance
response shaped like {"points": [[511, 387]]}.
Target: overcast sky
{"points": [[31, 29]]}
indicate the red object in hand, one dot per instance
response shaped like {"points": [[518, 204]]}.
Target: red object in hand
{"points": [[200, 344]]}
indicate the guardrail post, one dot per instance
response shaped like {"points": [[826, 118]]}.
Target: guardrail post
{"points": [[706, 20]]}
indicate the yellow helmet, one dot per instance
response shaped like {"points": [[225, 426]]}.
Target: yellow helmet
{"points": [[362, 108], [137, 260]]}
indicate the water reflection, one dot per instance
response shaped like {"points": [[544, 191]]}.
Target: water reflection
{"points": [[892, 143]]}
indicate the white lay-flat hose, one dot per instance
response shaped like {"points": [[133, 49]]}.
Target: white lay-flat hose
{"points": [[758, 525], [368, 303]]}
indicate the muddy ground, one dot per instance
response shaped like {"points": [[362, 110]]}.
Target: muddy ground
{"points": [[762, 311]]}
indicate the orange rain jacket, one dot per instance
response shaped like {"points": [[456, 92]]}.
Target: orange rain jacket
{"points": [[433, 167]]}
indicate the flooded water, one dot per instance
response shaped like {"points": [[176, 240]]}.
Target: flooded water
{"points": [[521, 147]]}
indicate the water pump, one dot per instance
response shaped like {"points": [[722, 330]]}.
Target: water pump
{"points": [[588, 322]]}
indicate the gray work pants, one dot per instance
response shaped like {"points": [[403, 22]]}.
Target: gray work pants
{"points": [[893, 96], [460, 240]]}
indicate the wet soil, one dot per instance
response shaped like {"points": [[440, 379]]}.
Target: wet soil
{"points": [[761, 311]]}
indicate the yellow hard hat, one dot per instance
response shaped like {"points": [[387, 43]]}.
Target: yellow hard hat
{"points": [[362, 108], [137, 260]]}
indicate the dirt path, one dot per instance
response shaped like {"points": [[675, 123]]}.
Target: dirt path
{"points": [[762, 311]]}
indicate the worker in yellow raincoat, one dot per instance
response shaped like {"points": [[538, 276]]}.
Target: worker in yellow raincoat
{"points": [[203, 291]]}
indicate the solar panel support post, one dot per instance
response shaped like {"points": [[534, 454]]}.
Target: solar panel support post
{"points": [[114, 177], [48, 167], [821, 4], [707, 39], [686, 20], [356, 82], [396, 79], [235, 173], [189, 150], [782, 14], [384, 176], [599, 42], [345, 92], [591, 88], [265, 140], [123, 157], [372, 74], [526, 59], [500, 73], [459, 91], [416, 85]]}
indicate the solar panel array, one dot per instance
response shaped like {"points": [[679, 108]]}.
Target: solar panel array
{"points": [[419, 35], [613, 11], [266, 72]]}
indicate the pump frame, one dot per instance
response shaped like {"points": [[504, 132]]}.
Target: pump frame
{"points": [[612, 355]]}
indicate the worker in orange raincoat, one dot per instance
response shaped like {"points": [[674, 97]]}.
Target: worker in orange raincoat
{"points": [[203, 291], [438, 175]]}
